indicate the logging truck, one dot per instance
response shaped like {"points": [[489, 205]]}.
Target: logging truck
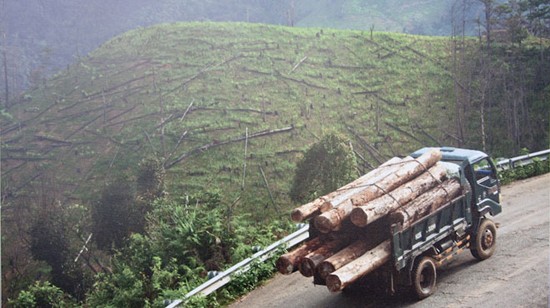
{"points": [[394, 226]]}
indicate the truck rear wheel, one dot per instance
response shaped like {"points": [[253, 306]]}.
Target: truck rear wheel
{"points": [[484, 244], [424, 278]]}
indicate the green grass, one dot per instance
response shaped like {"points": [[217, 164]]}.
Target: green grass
{"points": [[127, 100]]}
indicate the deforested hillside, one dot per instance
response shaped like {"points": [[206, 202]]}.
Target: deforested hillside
{"points": [[226, 106]]}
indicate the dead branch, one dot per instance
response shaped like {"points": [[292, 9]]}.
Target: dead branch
{"points": [[123, 112], [404, 132], [300, 81], [372, 151], [217, 144], [83, 126], [297, 64], [425, 133], [132, 119], [53, 140], [269, 190]]}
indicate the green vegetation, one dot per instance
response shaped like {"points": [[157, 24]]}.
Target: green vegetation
{"points": [[538, 167], [328, 165], [185, 240], [42, 295]]}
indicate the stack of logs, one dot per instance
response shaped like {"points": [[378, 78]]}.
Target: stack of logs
{"points": [[349, 228]]}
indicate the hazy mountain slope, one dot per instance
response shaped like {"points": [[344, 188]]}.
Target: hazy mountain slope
{"points": [[428, 17], [189, 93], [42, 37]]}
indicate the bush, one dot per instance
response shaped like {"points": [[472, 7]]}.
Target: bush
{"points": [[538, 167], [42, 294], [326, 166]]}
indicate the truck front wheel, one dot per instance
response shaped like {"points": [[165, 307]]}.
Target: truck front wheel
{"points": [[424, 278], [484, 244]]}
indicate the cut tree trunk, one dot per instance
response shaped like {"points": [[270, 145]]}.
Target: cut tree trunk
{"points": [[365, 240], [288, 263], [405, 173], [374, 176], [373, 210], [325, 203], [307, 210], [427, 203], [359, 267], [309, 263], [341, 205]]}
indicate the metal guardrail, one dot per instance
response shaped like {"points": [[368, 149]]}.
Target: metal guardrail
{"points": [[224, 277], [522, 160], [302, 234]]}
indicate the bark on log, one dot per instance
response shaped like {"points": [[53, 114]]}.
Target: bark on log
{"points": [[427, 203], [373, 210], [359, 267], [342, 206], [369, 237], [343, 257], [288, 263], [309, 263], [407, 172], [332, 220], [307, 210], [364, 182], [324, 203]]}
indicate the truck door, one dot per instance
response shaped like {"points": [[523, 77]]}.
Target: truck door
{"points": [[486, 182]]}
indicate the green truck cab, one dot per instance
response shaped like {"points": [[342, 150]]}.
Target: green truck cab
{"points": [[463, 223]]}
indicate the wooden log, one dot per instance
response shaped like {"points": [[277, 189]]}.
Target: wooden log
{"points": [[325, 203], [376, 175], [359, 267], [427, 203], [288, 263], [368, 238], [373, 210], [309, 263], [407, 172], [332, 219], [307, 210]]}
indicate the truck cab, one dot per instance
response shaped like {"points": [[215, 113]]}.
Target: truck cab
{"points": [[479, 170], [462, 224]]}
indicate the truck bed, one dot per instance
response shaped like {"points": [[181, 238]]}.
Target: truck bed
{"points": [[448, 222]]}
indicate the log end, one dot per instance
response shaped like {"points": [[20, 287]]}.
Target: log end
{"points": [[297, 216], [333, 283], [323, 223], [325, 206], [359, 217], [284, 265], [324, 269], [307, 268], [397, 217]]}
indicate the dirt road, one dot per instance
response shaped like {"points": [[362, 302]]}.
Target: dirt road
{"points": [[515, 276]]}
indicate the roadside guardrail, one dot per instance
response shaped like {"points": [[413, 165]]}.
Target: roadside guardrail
{"points": [[522, 160], [222, 278]]}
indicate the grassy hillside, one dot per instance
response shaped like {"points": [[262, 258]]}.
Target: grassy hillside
{"points": [[190, 93]]}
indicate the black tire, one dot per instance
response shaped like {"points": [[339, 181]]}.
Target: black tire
{"points": [[484, 243], [424, 278]]}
